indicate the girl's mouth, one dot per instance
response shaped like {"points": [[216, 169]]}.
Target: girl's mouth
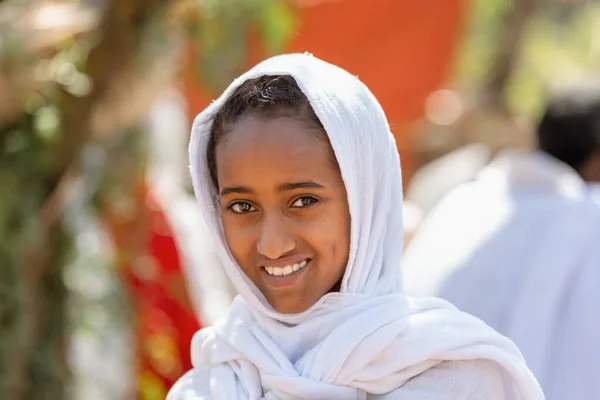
{"points": [[279, 277], [287, 270]]}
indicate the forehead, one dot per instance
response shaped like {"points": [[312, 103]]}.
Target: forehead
{"points": [[281, 147]]}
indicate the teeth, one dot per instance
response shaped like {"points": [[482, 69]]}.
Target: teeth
{"points": [[286, 270]]}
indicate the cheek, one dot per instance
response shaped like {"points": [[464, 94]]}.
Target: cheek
{"points": [[342, 250], [343, 244], [330, 233], [239, 239]]}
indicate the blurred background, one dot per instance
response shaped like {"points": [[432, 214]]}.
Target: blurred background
{"points": [[106, 269]]}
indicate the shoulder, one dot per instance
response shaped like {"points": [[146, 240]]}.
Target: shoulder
{"points": [[453, 380], [194, 385]]}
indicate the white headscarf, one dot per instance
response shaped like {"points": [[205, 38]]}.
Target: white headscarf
{"points": [[368, 338]]}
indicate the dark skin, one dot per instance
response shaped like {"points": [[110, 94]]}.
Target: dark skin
{"points": [[590, 171], [283, 204]]}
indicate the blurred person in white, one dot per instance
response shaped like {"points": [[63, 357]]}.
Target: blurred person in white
{"points": [[437, 178], [520, 247], [595, 192]]}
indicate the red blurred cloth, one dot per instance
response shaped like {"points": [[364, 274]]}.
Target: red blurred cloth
{"points": [[151, 269]]}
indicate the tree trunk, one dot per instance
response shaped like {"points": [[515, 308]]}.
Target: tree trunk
{"points": [[507, 54]]}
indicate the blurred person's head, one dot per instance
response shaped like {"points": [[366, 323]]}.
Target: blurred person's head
{"points": [[570, 129]]}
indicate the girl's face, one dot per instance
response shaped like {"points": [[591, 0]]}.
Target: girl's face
{"points": [[284, 209]]}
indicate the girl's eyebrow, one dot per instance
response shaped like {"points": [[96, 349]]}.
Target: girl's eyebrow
{"points": [[299, 185], [235, 189], [282, 188]]}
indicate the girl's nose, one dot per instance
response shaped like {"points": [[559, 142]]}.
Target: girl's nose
{"points": [[274, 240]]}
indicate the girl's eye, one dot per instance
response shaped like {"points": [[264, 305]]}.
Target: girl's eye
{"points": [[241, 207], [305, 202]]}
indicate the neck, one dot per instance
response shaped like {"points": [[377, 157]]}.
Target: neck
{"points": [[336, 287]]}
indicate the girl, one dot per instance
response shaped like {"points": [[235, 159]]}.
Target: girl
{"points": [[298, 176]]}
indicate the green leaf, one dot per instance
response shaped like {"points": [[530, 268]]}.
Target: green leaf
{"points": [[278, 22], [47, 123]]}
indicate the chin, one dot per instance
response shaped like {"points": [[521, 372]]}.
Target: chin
{"points": [[290, 308]]}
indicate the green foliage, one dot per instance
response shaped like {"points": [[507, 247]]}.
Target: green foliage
{"points": [[277, 23], [224, 32], [483, 25], [555, 52], [561, 44]]}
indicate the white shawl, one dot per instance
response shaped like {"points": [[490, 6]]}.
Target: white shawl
{"points": [[368, 338]]}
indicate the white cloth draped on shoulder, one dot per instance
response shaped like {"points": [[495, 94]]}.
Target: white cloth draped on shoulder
{"points": [[366, 339]]}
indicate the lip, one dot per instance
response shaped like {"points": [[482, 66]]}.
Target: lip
{"points": [[283, 262], [279, 282]]}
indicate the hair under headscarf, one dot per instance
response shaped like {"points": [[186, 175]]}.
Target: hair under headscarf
{"points": [[368, 337]]}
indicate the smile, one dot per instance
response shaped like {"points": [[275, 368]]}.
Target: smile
{"points": [[287, 270]]}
